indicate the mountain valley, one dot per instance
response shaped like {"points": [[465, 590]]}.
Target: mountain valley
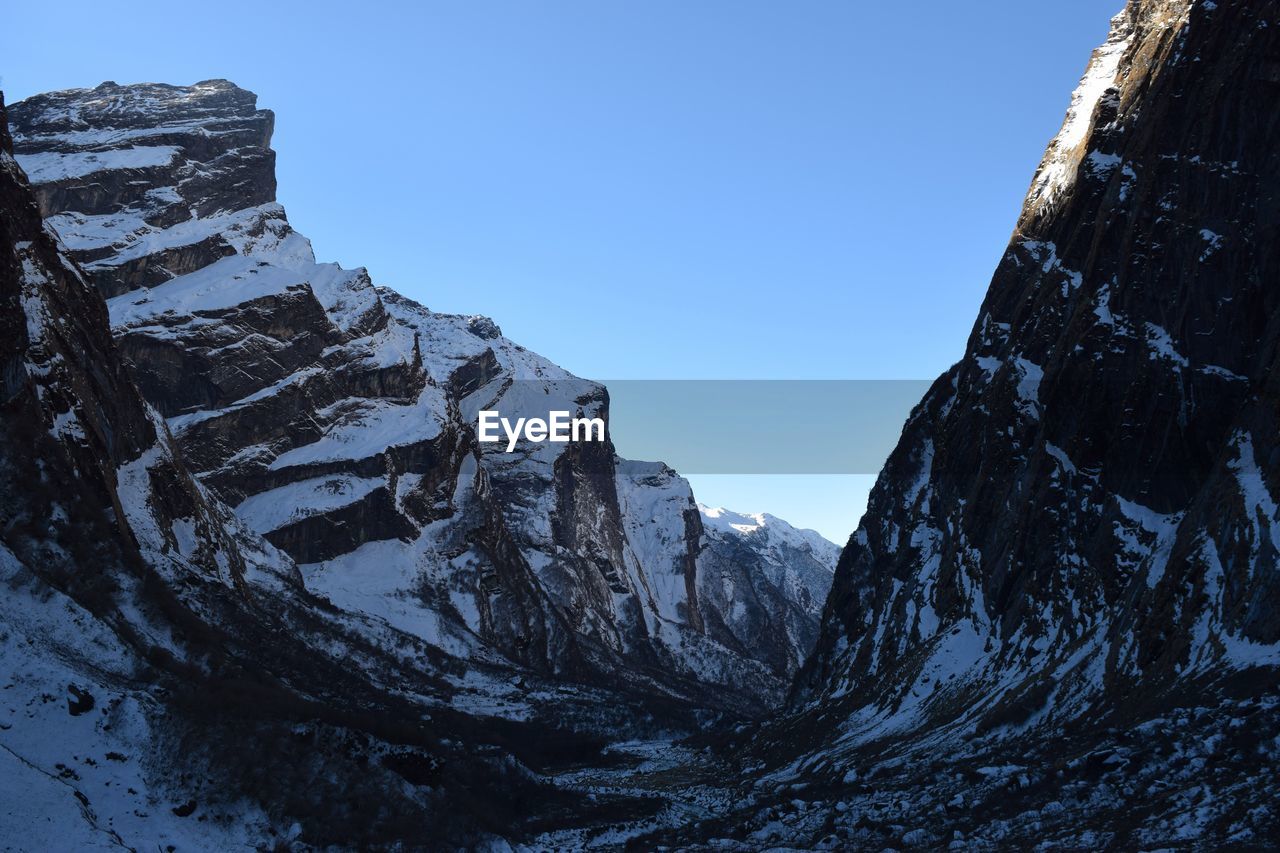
{"points": [[266, 587]]}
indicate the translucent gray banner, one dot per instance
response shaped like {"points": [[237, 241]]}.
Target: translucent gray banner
{"points": [[729, 426], [762, 426]]}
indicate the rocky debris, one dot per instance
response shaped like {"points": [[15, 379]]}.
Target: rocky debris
{"points": [[185, 809], [1197, 774], [79, 701]]}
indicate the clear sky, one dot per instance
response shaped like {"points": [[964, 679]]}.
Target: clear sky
{"points": [[656, 189]]}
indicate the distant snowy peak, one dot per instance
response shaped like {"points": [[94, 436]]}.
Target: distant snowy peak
{"points": [[772, 529], [724, 519], [761, 558]]}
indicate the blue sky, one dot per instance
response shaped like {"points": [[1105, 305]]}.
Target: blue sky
{"points": [[649, 190]]}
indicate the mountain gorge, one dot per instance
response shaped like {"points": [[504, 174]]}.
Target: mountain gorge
{"points": [[265, 586]]}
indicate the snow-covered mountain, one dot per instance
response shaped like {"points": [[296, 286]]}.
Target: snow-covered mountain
{"points": [[757, 568], [338, 419], [168, 680], [173, 678]]}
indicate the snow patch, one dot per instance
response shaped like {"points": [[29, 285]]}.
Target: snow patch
{"points": [[51, 166]]}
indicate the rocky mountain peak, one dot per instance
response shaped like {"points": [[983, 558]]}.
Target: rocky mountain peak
{"points": [[152, 108], [148, 179], [1110, 90]]}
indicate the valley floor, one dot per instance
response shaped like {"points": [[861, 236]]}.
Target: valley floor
{"points": [[1193, 777], [671, 784]]}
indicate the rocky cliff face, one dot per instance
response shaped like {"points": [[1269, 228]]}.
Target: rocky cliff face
{"points": [[337, 418], [1059, 620]]}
